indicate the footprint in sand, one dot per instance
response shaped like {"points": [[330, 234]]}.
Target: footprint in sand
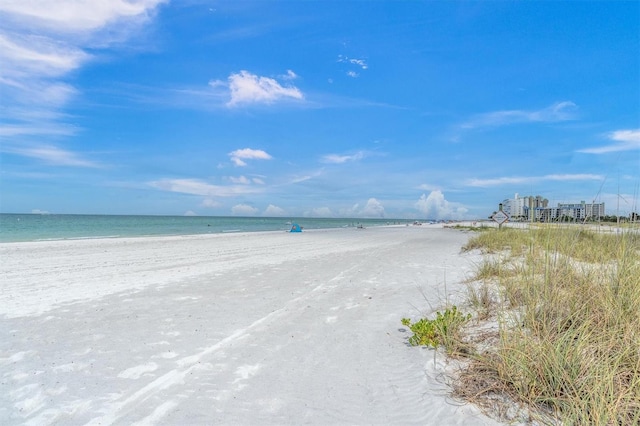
{"points": [[243, 373], [166, 355], [331, 319], [138, 370]]}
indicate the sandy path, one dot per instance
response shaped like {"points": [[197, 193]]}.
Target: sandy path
{"points": [[270, 328]]}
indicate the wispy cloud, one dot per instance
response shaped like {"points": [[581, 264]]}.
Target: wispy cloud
{"points": [[243, 180], [339, 159], [359, 63], [34, 109], [290, 75], [199, 187], [319, 212], [517, 180], [211, 203], [41, 43], [626, 140], [244, 210], [428, 187], [246, 88], [52, 155], [30, 55], [239, 155], [303, 178], [559, 111], [372, 209], [72, 16], [50, 129]]}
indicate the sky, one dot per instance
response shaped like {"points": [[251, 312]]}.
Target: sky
{"points": [[393, 109]]}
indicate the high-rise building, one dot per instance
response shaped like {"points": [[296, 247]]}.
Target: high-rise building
{"points": [[537, 208], [519, 207], [594, 211], [581, 211]]}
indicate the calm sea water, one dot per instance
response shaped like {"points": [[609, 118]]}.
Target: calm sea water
{"points": [[35, 227]]}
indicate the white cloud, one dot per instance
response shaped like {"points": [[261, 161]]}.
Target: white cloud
{"points": [[351, 212], [42, 41], [51, 129], [339, 159], [198, 187], [247, 88], [53, 155], [290, 75], [240, 180], [73, 16], [569, 177], [244, 210], [373, 208], [560, 111], [435, 206], [631, 136], [300, 179], [190, 213], [319, 212], [239, 155], [39, 56], [243, 180], [627, 140], [499, 181], [514, 180], [620, 204], [38, 211], [428, 187], [273, 211], [210, 203], [358, 62]]}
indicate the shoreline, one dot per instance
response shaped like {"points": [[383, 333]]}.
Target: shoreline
{"points": [[245, 328], [25, 228]]}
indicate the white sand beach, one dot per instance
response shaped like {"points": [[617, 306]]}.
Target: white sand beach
{"points": [[254, 328]]}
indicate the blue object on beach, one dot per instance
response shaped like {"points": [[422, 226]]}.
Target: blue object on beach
{"points": [[296, 228]]}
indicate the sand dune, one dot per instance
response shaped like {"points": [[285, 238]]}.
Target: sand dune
{"points": [[260, 328]]}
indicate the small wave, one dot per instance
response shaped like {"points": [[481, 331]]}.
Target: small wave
{"points": [[98, 237]]}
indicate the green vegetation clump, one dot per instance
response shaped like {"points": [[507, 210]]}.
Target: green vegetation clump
{"points": [[442, 331], [568, 316], [480, 228]]}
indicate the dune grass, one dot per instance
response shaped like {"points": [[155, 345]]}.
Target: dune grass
{"points": [[568, 314]]}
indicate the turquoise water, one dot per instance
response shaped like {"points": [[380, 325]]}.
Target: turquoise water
{"points": [[35, 227]]}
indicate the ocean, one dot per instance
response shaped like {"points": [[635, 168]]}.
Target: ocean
{"points": [[42, 227]]}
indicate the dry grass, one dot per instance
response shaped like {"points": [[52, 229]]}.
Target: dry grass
{"points": [[482, 299], [569, 326]]}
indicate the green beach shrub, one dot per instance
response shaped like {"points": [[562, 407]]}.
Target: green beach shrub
{"points": [[442, 331]]}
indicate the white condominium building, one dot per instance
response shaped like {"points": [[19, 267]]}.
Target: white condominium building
{"points": [[536, 208], [519, 207]]}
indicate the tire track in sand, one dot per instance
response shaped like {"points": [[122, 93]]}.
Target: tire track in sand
{"points": [[190, 363]]}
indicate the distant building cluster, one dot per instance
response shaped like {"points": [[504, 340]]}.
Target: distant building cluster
{"points": [[537, 209]]}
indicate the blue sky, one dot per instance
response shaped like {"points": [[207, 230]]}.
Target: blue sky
{"points": [[390, 109]]}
